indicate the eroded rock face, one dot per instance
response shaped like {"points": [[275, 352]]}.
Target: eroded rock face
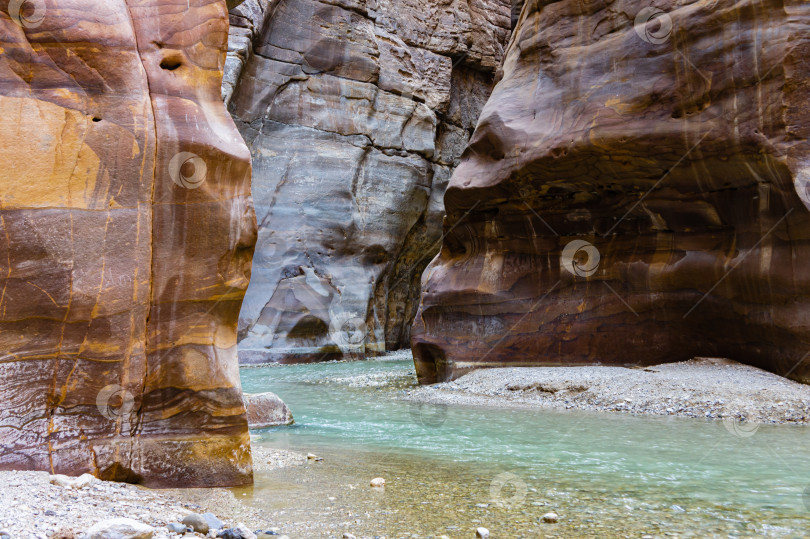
{"points": [[636, 192], [356, 113], [127, 233]]}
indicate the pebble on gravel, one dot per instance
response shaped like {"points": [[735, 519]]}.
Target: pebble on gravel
{"points": [[239, 532], [213, 522], [378, 482], [196, 522], [63, 533], [176, 527], [482, 533], [348, 535], [551, 518], [84, 480], [120, 528], [312, 456]]}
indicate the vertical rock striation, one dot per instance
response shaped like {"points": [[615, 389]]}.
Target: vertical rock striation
{"points": [[636, 192], [126, 236], [355, 111]]}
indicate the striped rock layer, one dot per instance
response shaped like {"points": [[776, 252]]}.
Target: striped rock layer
{"points": [[126, 237], [636, 192]]}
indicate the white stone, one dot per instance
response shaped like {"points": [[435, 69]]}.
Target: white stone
{"points": [[245, 532], [550, 518], [378, 482], [482, 533], [120, 528], [83, 481]]}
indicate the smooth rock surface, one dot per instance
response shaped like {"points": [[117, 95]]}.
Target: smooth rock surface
{"points": [[214, 523], [84, 480], [120, 528], [636, 192], [176, 527], [240, 531], [127, 231], [355, 113], [266, 410], [196, 522]]}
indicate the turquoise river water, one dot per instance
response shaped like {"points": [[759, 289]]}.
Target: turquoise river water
{"points": [[452, 469]]}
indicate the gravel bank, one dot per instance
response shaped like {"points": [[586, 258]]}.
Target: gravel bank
{"points": [[702, 387], [34, 508]]}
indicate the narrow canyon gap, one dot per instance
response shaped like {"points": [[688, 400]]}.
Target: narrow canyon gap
{"points": [[356, 113]]}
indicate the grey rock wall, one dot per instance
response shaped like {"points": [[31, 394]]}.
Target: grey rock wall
{"points": [[356, 113]]}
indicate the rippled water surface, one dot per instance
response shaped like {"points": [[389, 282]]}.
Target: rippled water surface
{"points": [[452, 469]]}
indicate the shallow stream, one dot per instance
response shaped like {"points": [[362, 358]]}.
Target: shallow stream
{"points": [[450, 470]]}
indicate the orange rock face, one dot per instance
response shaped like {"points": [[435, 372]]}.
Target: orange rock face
{"points": [[636, 192], [126, 237]]}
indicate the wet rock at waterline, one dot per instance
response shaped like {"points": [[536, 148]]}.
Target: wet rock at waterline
{"points": [[355, 114], [266, 410], [128, 231], [636, 191]]}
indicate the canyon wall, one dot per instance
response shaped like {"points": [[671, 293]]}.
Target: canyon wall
{"points": [[355, 111], [126, 236], [636, 192]]}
